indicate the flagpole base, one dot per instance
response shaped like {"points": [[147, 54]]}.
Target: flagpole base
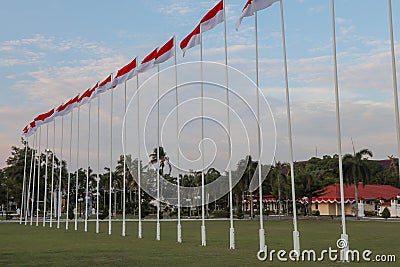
{"points": [[85, 225], [140, 230], [203, 236], [123, 228], [179, 233], [97, 226], [344, 249], [232, 238], [261, 234], [296, 242], [158, 237]]}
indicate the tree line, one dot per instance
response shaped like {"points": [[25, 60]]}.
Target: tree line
{"points": [[311, 177]]}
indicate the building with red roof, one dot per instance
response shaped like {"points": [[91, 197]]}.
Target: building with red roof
{"points": [[371, 198]]}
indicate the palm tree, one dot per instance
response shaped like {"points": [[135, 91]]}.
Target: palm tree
{"points": [[163, 159], [356, 169], [279, 182]]}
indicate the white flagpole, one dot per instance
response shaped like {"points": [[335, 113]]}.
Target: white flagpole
{"points": [[87, 174], [232, 229], [296, 239], [394, 77], [28, 194], [124, 183], [59, 199], [179, 227], [23, 184], [38, 184], [69, 173], [52, 173], [77, 173], [203, 225], [158, 153], [98, 164], [138, 162], [110, 185], [344, 236], [34, 178], [45, 177], [261, 232]]}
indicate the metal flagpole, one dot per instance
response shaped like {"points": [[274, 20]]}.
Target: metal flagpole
{"points": [[28, 194], [138, 161], [261, 233], [158, 153], [394, 77], [52, 173], [77, 173], [179, 227], [98, 164], [45, 177], [203, 226], [69, 173], [110, 185], [87, 174], [23, 184], [59, 197], [124, 176], [232, 229], [344, 236], [34, 178], [38, 184], [296, 239]]}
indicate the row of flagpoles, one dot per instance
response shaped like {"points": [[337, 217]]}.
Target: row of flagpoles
{"points": [[159, 55]]}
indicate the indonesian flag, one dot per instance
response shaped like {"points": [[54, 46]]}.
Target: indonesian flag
{"points": [[126, 73], [166, 51], [44, 118], [27, 131], [191, 40], [251, 7], [104, 86], [148, 62], [86, 96], [64, 109], [214, 17], [209, 21]]}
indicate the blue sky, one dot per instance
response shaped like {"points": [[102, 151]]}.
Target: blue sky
{"points": [[51, 50]]}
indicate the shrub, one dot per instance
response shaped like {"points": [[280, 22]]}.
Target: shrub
{"points": [[220, 214], [71, 215], [386, 213], [239, 213], [315, 213], [103, 214]]}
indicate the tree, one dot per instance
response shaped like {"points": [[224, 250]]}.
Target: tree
{"points": [[356, 169], [386, 213], [279, 181], [162, 158]]}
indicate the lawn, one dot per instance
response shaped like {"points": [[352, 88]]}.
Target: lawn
{"points": [[44, 246]]}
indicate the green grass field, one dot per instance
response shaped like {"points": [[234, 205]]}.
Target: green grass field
{"points": [[34, 246]]}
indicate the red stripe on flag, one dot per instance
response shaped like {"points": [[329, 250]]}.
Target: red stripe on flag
{"points": [[187, 39], [107, 80], [165, 48], [213, 12], [150, 57], [127, 68]]}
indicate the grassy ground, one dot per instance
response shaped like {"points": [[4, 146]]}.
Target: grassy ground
{"points": [[34, 246]]}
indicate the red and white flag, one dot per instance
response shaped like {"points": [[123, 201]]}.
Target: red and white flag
{"points": [[251, 7], [64, 109], [86, 96], [209, 21], [104, 86], [191, 40], [126, 73], [166, 51], [27, 131], [148, 62], [44, 118], [214, 17]]}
